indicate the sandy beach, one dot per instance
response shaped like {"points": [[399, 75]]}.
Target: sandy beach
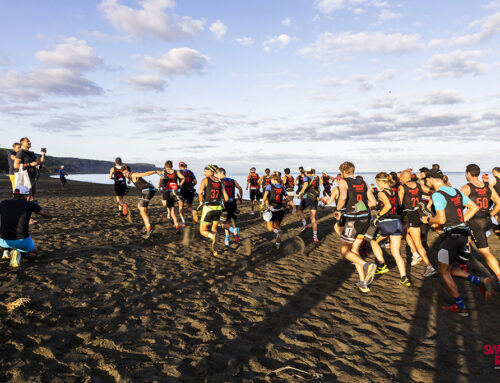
{"points": [[106, 305]]}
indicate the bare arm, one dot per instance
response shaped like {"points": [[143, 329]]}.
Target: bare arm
{"points": [[304, 188], [472, 209], [372, 202], [45, 214], [240, 190], [145, 174], [466, 190], [265, 199], [333, 196], [111, 173], [438, 219], [387, 204], [401, 193], [203, 185], [181, 177], [343, 194], [496, 199]]}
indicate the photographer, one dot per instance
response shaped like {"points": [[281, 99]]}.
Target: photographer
{"points": [[30, 163]]}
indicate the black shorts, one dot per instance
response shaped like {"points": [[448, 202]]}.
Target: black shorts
{"points": [[255, 195], [277, 215], [307, 203], [479, 227], [231, 209], [170, 197], [63, 180], [187, 196], [120, 189], [145, 197], [412, 219], [388, 228], [355, 228], [450, 246]]}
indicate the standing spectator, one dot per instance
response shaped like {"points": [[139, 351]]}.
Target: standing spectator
{"points": [[10, 158], [30, 162], [62, 176]]}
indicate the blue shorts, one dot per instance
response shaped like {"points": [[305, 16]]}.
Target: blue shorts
{"points": [[387, 228], [25, 244]]}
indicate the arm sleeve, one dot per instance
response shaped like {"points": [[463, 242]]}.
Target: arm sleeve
{"points": [[439, 201]]}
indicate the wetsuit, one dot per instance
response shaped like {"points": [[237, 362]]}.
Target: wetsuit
{"points": [[212, 201], [120, 182], [277, 197], [170, 184], [411, 199], [357, 214], [480, 223], [253, 179], [230, 206], [187, 188], [146, 190]]}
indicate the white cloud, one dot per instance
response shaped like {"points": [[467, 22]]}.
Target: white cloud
{"points": [[218, 29], [328, 44], [455, 64], [441, 97], [247, 41], [490, 26], [329, 6], [147, 82], [388, 15], [362, 80], [286, 22], [280, 41], [4, 61], [151, 20], [67, 65], [177, 61]]}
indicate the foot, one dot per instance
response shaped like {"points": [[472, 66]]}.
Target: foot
{"points": [[125, 209], [15, 258], [237, 235], [363, 287], [382, 270], [404, 281], [486, 289], [226, 240], [5, 254], [315, 239], [429, 271], [416, 259], [455, 309], [304, 228], [178, 230], [370, 269], [278, 245], [148, 235]]}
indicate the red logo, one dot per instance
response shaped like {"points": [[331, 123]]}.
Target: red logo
{"points": [[494, 350]]}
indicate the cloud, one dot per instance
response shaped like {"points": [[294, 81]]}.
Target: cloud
{"points": [[286, 22], [441, 97], [455, 64], [388, 15], [147, 82], [4, 61], [246, 41], [218, 29], [280, 41], [178, 61], [330, 44], [67, 65], [362, 80], [490, 26], [151, 20], [67, 122], [330, 6]]}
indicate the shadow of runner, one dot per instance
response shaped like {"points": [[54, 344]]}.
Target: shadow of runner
{"points": [[232, 359]]}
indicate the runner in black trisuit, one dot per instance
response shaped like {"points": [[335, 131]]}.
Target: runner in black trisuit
{"points": [[289, 183], [121, 188], [187, 193], [171, 182], [274, 200], [309, 196], [230, 212], [253, 184]]}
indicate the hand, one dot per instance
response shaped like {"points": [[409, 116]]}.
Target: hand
{"points": [[337, 215], [425, 219], [376, 220]]}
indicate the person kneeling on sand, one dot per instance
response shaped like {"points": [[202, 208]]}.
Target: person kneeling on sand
{"points": [[15, 215]]}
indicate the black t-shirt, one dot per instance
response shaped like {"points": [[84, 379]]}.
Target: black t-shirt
{"points": [[26, 157], [11, 161], [15, 215]]}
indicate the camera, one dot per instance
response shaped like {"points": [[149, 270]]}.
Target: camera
{"points": [[43, 150]]}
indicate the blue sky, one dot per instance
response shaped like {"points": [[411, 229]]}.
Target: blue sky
{"points": [[385, 84]]}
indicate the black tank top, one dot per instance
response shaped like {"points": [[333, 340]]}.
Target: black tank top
{"points": [[170, 180], [301, 181], [482, 198], [188, 179], [412, 197], [213, 191], [118, 175], [326, 180], [276, 196], [393, 199], [356, 192], [289, 182], [266, 181], [313, 183], [142, 184], [454, 210], [230, 187], [253, 178]]}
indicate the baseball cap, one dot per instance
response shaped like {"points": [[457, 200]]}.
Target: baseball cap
{"points": [[21, 189], [182, 163], [308, 169], [435, 173]]}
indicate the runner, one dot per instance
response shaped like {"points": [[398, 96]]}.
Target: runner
{"points": [[263, 182], [410, 194], [449, 204], [327, 185], [121, 188], [496, 185], [309, 196], [230, 212], [482, 195], [388, 224], [253, 183], [299, 180], [211, 195], [187, 193], [146, 191], [170, 182], [289, 182], [356, 198], [62, 176], [274, 200], [338, 224], [11, 157]]}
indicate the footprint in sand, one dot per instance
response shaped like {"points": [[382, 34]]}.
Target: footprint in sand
{"points": [[295, 245], [246, 247], [188, 236]]}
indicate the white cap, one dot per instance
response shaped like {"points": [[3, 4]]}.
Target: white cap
{"points": [[308, 169], [21, 189]]}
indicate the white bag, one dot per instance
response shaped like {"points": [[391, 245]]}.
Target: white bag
{"points": [[22, 178]]}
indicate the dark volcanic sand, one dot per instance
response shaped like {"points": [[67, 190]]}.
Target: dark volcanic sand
{"points": [[107, 305]]}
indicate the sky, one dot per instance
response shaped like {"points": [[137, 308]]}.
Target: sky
{"points": [[282, 83]]}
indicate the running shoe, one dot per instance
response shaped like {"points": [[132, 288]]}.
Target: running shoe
{"points": [[315, 239], [486, 289], [382, 270], [226, 240], [178, 230], [304, 228], [463, 267], [416, 259], [15, 258], [125, 209], [252, 213], [5, 254], [404, 281], [148, 234], [454, 309], [363, 287], [370, 269], [278, 245], [237, 235], [429, 271]]}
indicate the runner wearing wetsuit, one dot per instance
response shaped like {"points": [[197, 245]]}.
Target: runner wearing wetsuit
{"points": [[120, 185], [253, 184], [146, 191], [170, 182], [187, 192], [356, 198], [230, 212], [449, 204], [275, 196], [482, 195], [410, 194]]}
